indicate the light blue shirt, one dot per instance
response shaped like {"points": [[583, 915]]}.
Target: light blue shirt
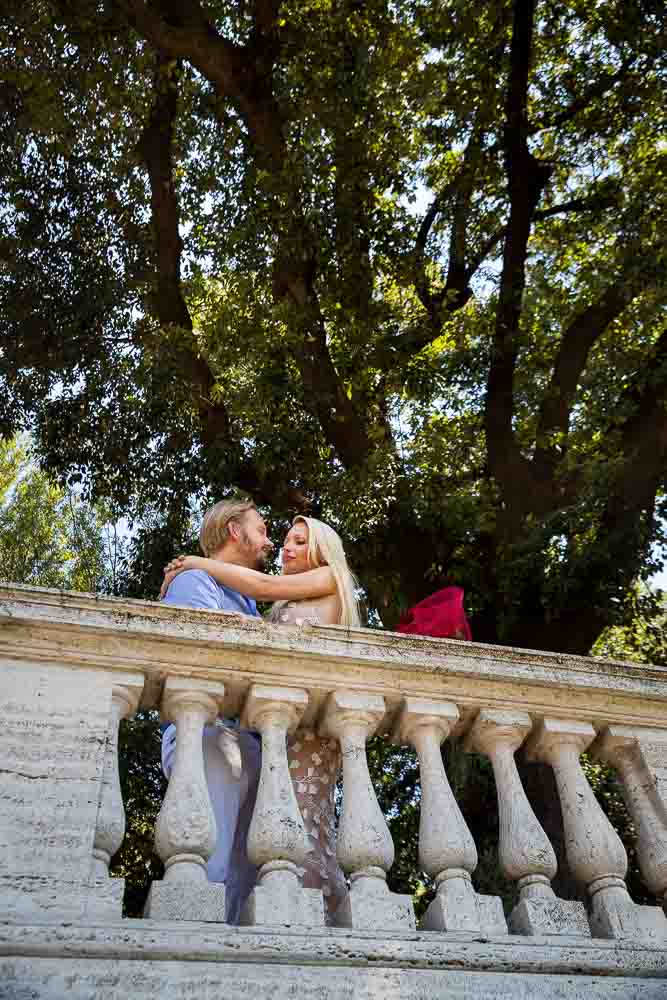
{"points": [[193, 588]]}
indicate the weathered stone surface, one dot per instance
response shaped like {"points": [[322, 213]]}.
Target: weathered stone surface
{"points": [[616, 916], [158, 639], [204, 942], [104, 901], [525, 852], [52, 742], [46, 898], [110, 822], [186, 901], [60, 656], [277, 831], [284, 904], [634, 753], [549, 916], [185, 829], [178, 961], [491, 915], [365, 848], [48, 979], [457, 907], [369, 905], [524, 849]]}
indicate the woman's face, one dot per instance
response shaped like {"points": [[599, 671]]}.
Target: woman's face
{"points": [[295, 549]]}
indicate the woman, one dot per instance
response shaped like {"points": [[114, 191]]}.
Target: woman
{"points": [[316, 586]]}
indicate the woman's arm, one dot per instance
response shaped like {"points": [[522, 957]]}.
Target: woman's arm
{"points": [[294, 587]]}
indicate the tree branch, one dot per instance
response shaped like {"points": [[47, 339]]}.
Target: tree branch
{"points": [[606, 197], [353, 198], [455, 293], [458, 242], [156, 150], [265, 16], [155, 147], [582, 333], [580, 103], [526, 179], [602, 199], [643, 434], [244, 74], [325, 396], [604, 571], [421, 283], [237, 72]]}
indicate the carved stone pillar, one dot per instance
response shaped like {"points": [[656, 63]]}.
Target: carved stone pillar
{"points": [[621, 746], [185, 832], [447, 851], [594, 850], [106, 898], [525, 854], [365, 848], [277, 840]]}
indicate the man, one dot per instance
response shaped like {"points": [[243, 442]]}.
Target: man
{"points": [[232, 531]]}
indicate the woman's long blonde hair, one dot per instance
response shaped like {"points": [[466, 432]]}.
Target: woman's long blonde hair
{"points": [[326, 549]]}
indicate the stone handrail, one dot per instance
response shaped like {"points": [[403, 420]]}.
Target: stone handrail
{"points": [[73, 665]]}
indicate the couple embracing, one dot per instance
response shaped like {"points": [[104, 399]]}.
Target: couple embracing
{"points": [[316, 585]]}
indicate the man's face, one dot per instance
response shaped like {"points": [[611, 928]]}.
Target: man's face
{"points": [[253, 540]]}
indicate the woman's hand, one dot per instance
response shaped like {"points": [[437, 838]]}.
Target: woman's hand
{"points": [[178, 564], [172, 569]]}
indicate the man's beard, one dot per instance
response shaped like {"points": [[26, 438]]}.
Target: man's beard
{"points": [[258, 560]]}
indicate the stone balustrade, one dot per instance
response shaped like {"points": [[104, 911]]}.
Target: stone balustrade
{"points": [[74, 665]]}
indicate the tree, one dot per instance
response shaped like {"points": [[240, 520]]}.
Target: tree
{"points": [[644, 640], [215, 273], [48, 537]]}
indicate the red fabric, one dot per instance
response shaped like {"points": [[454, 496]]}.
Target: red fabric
{"points": [[440, 615]]}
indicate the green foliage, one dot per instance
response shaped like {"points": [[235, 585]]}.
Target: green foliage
{"points": [[143, 786], [290, 258], [49, 537], [326, 336], [644, 640]]}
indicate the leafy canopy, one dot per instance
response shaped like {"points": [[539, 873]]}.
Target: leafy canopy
{"points": [[400, 265], [49, 537]]}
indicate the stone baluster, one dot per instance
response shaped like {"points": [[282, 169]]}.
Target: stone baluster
{"points": [[106, 898], [110, 825], [185, 832], [595, 852], [621, 746], [447, 850], [525, 853], [365, 848], [277, 840]]}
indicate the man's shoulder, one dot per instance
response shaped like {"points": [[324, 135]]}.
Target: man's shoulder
{"points": [[195, 574], [195, 588], [189, 576]]}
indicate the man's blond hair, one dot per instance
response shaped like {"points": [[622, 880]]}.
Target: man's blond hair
{"points": [[215, 526]]}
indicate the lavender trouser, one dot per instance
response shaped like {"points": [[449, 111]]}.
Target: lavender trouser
{"points": [[233, 800]]}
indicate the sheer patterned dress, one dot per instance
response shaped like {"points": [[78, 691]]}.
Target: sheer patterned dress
{"points": [[314, 765]]}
